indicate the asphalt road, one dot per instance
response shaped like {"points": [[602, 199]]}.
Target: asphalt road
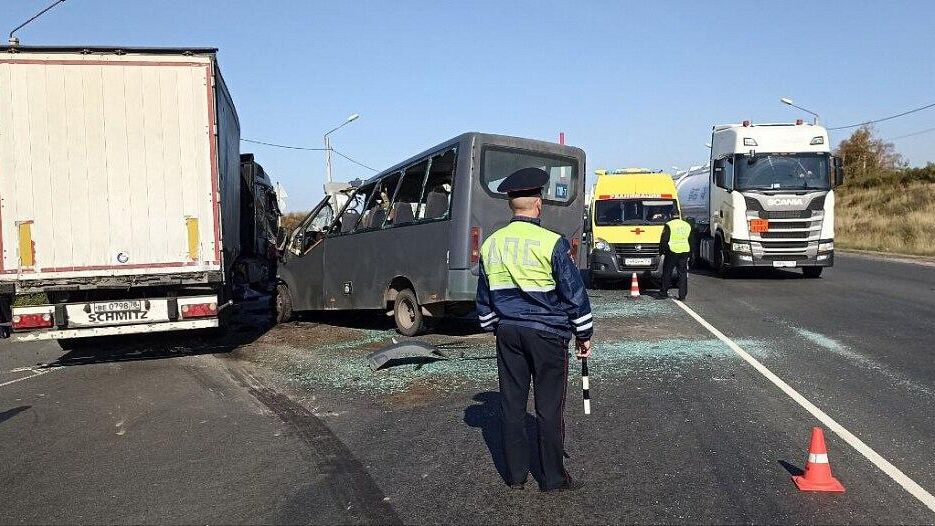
{"points": [[289, 426]]}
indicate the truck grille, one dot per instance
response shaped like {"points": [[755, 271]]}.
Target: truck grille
{"points": [[787, 235], [786, 214], [636, 249], [785, 244], [788, 257]]}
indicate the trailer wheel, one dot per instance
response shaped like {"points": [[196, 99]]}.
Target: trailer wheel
{"points": [[812, 272], [407, 313], [283, 304]]}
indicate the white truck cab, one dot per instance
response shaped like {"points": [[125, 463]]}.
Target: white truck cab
{"points": [[768, 198]]}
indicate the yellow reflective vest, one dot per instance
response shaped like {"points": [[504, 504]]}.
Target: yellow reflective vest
{"points": [[519, 256], [679, 231]]}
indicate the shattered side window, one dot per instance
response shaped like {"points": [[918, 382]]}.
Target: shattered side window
{"points": [[353, 212], [406, 203], [379, 205], [436, 200]]}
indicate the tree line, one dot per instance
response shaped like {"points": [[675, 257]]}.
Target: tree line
{"points": [[870, 161]]}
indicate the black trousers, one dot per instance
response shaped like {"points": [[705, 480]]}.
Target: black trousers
{"points": [[671, 261], [524, 353]]}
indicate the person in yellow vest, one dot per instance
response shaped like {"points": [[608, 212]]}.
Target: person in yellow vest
{"points": [[530, 293], [676, 246]]}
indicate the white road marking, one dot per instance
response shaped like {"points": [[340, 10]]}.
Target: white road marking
{"points": [[35, 374], [885, 466]]}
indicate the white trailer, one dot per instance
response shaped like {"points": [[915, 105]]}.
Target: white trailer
{"points": [[766, 200], [120, 190]]}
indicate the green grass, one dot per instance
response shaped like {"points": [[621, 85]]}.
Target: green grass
{"points": [[887, 218]]}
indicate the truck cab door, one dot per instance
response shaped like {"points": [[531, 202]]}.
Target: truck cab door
{"points": [[302, 268], [721, 210]]}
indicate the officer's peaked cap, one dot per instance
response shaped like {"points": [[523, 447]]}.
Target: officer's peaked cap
{"points": [[524, 182]]}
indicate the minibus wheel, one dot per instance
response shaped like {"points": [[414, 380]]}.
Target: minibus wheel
{"points": [[283, 303], [407, 313]]}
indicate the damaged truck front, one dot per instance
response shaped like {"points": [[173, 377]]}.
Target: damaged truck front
{"points": [[121, 195]]}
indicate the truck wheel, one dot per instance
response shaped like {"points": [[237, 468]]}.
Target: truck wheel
{"points": [[283, 304], [407, 313], [719, 266], [812, 272]]}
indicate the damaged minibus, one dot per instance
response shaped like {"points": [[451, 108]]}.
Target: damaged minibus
{"points": [[407, 241]]}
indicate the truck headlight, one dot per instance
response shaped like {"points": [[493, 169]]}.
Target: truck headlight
{"points": [[826, 247], [600, 244], [740, 247]]}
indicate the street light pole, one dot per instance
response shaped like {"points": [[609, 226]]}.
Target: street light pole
{"points": [[327, 140], [788, 102]]}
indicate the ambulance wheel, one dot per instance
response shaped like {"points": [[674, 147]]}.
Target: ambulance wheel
{"points": [[812, 272], [407, 313], [283, 304]]}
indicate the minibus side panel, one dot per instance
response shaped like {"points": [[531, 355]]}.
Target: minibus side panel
{"points": [[362, 266]]}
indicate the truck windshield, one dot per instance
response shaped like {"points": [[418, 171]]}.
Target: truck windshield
{"points": [[609, 212], [796, 171]]}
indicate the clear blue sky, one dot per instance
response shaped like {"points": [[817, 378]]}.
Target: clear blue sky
{"points": [[634, 84]]}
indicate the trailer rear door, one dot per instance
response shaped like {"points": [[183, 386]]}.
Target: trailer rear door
{"points": [[108, 165]]}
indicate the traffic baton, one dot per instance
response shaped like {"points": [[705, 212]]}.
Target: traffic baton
{"points": [[585, 389]]}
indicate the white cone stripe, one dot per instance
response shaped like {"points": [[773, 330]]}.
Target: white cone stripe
{"points": [[818, 458], [884, 465], [490, 322], [587, 407], [585, 327], [582, 319], [487, 316], [584, 383]]}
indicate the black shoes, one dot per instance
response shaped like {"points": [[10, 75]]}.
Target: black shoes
{"points": [[518, 487], [569, 485]]}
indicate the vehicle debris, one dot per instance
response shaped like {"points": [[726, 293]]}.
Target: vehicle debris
{"points": [[408, 352]]}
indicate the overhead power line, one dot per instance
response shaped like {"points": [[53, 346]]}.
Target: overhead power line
{"points": [[913, 134], [288, 147], [253, 141], [927, 106], [358, 163]]}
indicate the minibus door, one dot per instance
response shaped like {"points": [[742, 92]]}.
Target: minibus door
{"points": [[302, 268]]}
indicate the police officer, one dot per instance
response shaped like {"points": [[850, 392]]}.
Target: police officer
{"points": [[676, 243], [530, 293]]}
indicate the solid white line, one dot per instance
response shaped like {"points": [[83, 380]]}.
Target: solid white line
{"points": [[37, 373], [885, 466]]}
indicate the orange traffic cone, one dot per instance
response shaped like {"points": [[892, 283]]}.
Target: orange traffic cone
{"points": [[634, 287], [817, 475]]}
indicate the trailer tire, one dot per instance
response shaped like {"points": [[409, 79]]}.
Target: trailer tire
{"points": [[812, 272], [408, 314], [283, 303]]}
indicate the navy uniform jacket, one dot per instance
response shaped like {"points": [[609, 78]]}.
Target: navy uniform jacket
{"points": [[565, 311]]}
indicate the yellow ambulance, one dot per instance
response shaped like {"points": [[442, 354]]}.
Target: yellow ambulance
{"points": [[625, 218]]}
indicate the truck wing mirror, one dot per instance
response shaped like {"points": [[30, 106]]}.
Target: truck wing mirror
{"points": [[838, 172]]}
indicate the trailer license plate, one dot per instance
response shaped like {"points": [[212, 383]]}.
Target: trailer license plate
{"points": [[117, 311], [783, 263], [637, 262]]}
